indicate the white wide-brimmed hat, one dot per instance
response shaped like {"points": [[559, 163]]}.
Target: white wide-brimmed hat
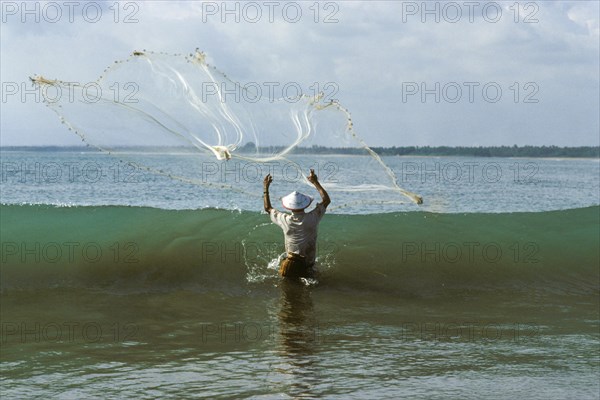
{"points": [[296, 201]]}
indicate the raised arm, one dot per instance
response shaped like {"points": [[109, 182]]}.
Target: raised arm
{"points": [[267, 200], [312, 178]]}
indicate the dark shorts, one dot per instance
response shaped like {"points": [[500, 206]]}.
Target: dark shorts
{"points": [[295, 266]]}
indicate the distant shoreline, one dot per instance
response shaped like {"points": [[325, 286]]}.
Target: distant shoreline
{"points": [[432, 151]]}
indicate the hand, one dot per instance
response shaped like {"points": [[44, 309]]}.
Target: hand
{"points": [[312, 178], [267, 181]]}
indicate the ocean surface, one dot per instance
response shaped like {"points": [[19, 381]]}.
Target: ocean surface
{"points": [[120, 283]]}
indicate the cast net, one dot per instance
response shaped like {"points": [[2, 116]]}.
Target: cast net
{"points": [[179, 116]]}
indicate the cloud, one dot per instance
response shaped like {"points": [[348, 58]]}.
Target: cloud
{"points": [[373, 51]]}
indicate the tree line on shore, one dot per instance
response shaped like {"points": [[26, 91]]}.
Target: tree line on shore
{"points": [[479, 151]]}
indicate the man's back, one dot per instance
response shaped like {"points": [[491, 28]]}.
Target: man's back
{"points": [[299, 228], [300, 231]]}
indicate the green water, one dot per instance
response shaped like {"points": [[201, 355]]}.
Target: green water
{"points": [[185, 303], [399, 253]]}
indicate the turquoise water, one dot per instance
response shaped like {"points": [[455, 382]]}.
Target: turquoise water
{"points": [[113, 287]]}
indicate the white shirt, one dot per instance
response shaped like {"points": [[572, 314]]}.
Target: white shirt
{"points": [[300, 231]]}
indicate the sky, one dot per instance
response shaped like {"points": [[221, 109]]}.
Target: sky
{"points": [[412, 73]]}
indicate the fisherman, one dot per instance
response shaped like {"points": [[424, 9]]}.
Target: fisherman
{"points": [[299, 228]]}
